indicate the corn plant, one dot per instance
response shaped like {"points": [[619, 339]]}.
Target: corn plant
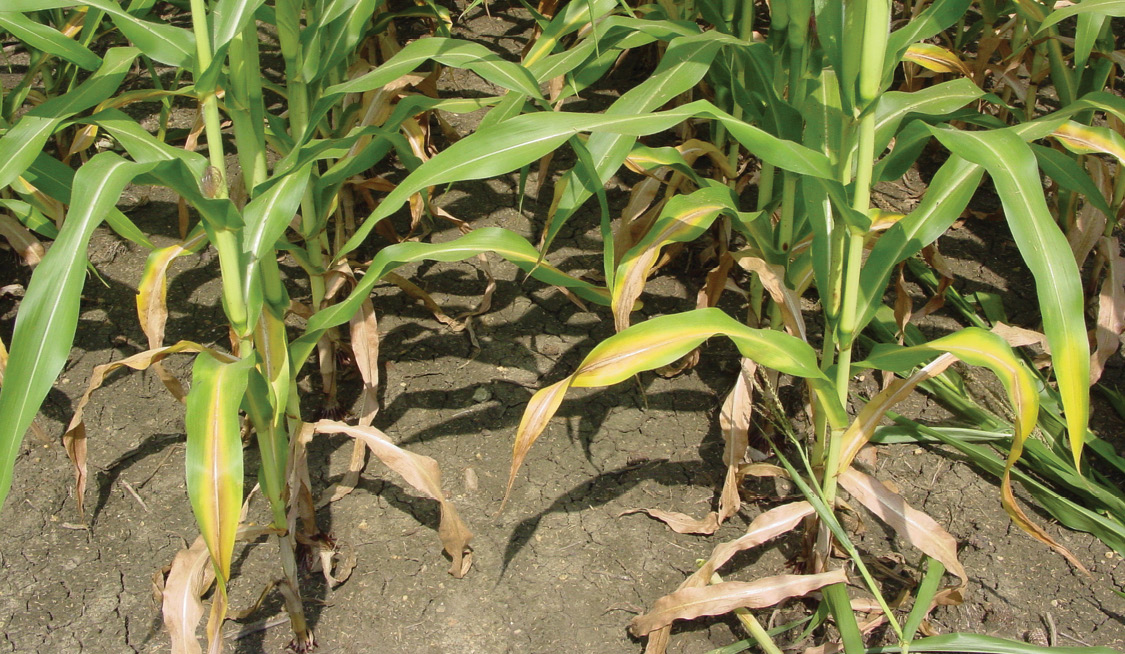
{"points": [[807, 97], [813, 105], [344, 112]]}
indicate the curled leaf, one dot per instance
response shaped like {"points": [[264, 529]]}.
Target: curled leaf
{"points": [[722, 598], [916, 527], [74, 440], [422, 473]]}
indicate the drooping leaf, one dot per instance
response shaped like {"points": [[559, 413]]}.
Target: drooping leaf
{"points": [[916, 527], [48, 315], [1011, 164], [422, 473], [21, 144], [658, 342], [725, 597]]}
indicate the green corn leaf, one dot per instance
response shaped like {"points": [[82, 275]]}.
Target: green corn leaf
{"points": [[1089, 26], [333, 9], [521, 140], [160, 41], [268, 214], [1103, 7], [230, 17], [686, 61], [1069, 175], [938, 100], [53, 42], [613, 33], [1071, 514], [48, 315], [31, 218], [978, 644], [24, 142], [658, 342], [1011, 164], [213, 459], [502, 242], [450, 52], [273, 442], [346, 32], [947, 196], [572, 17], [140, 144], [56, 179]]}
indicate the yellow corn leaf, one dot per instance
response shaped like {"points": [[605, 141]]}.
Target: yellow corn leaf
{"points": [[152, 307], [861, 430], [978, 347], [684, 218], [1084, 139], [658, 342], [937, 59], [214, 466]]}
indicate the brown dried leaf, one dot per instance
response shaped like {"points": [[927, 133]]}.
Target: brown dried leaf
{"points": [[734, 420], [904, 305], [422, 473], [941, 267], [765, 527], [919, 529], [1019, 337], [690, 603], [414, 291], [1008, 500], [189, 578], [679, 522], [21, 240], [365, 348], [773, 280], [74, 440], [764, 470], [1111, 308]]}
